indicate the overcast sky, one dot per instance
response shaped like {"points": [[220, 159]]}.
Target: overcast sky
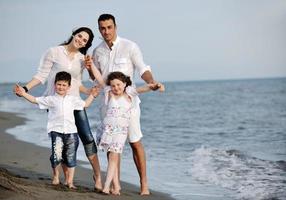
{"points": [[181, 40]]}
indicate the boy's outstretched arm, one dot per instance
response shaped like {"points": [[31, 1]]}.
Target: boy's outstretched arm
{"points": [[20, 91]]}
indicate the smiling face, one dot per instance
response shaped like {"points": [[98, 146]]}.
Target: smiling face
{"points": [[117, 87], [80, 39], [107, 30], [62, 87]]}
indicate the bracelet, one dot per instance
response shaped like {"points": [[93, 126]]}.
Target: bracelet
{"points": [[26, 89]]}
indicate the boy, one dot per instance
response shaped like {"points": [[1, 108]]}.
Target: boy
{"points": [[61, 124]]}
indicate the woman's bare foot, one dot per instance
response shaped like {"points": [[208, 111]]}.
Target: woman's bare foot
{"points": [[97, 184]]}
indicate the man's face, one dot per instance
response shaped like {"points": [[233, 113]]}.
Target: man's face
{"points": [[108, 30]]}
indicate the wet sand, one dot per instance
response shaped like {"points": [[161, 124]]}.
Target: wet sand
{"points": [[25, 172]]}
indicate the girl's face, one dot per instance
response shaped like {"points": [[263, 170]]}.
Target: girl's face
{"points": [[117, 87], [80, 39], [62, 87]]}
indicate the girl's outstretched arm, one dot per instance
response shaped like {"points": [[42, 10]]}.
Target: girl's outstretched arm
{"points": [[150, 86]]}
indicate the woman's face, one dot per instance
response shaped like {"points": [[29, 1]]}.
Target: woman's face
{"points": [[117, 87], [80, 39]]}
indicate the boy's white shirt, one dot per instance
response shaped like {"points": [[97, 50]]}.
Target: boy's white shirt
{"points": [[61, 112]]}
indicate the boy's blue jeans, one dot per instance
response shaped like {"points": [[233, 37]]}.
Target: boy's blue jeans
{"points": [[64, 148], [84, 132]]}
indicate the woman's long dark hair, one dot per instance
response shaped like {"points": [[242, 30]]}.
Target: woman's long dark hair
{"points": [[83, 50]]}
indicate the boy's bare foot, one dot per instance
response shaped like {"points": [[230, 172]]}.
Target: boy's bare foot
{"points": [[55, 181]]}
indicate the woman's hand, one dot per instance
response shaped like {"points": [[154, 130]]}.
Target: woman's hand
{"points": [[19, 90]]}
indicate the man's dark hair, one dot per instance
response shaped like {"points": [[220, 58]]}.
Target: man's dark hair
{"points": [[63, 76], [104, 17]]}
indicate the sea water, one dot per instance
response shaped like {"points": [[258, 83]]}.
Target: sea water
{"points": [[203, 139]]}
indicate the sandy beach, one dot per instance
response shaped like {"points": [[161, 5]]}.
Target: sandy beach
{"points": [[25, 172]]}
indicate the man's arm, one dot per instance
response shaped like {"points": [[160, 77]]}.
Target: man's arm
{"points": [[148, 77]]}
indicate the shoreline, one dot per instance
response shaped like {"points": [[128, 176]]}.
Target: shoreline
{"points": [[25, 172]]}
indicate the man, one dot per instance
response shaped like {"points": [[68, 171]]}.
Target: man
{"points": [[118, 54]]}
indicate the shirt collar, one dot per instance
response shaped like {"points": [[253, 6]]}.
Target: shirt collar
{"points": [[66, 52], [116, 41]]}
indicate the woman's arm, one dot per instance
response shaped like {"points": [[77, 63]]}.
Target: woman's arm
{"points": [[20, 91]]}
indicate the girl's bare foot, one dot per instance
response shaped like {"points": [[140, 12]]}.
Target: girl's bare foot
{"points": [[106, 192], [115, 192], [71, 186]]}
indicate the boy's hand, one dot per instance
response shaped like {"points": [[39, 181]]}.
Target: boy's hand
{"points": [[19, 90], [88, 62]]}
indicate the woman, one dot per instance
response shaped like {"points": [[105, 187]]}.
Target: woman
{"points": [[69, 57]]}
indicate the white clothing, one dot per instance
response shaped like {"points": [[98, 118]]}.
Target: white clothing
{"points": [[55, 60], [126, 57], [112, 134], [61, 112]]}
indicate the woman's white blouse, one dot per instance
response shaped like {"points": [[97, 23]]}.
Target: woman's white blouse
{"points": [[55, 60]]}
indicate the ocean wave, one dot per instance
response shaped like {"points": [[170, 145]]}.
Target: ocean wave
{"points": [[249, 177]]}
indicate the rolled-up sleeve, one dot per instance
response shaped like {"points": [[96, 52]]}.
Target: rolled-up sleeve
{"points": [[137, 60], [45, 66], [43, 102]]}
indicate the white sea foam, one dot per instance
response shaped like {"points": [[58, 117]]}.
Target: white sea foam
{"points": [[250, 177]]}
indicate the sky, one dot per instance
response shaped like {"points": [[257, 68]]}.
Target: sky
{"points": [[181, 40]]}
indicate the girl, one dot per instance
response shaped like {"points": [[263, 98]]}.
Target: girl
{"points": [[120, 98]]}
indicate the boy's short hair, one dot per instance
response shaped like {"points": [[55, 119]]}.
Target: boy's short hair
{"points": [[63, 76]]}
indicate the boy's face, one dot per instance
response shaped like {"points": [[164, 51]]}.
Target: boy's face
{"points": [[62, 87]]}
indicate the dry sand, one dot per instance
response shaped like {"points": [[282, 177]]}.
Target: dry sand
{"points": [[25, 172]]}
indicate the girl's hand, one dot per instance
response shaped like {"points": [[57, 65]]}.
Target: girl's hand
{"points": [[156, 86], [88, 62]]}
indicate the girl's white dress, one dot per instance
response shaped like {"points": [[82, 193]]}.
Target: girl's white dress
{"points": [[112, 134]]}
